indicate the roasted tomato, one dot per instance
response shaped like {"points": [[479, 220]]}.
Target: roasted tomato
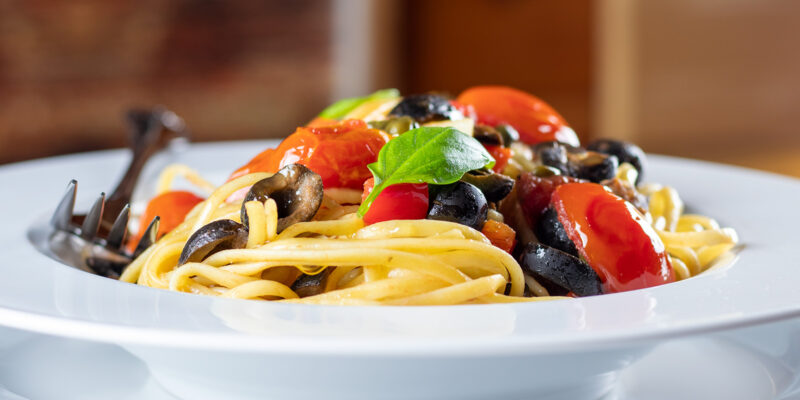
{"points": [[401, 201], [500, 234], [171, 207], [534, 119], [338, 153], [613, 237], [501, 156]]}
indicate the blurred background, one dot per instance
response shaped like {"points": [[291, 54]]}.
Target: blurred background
{"points": [[711, 79]]}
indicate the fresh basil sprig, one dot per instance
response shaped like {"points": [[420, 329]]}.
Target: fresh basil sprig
{"points": [[344, 106], [436, 155]]}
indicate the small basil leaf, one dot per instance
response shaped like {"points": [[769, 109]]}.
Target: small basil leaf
{"points": [[342, 107], [435, 155]]}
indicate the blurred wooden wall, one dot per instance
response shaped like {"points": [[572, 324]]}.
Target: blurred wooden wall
{"points": [[242, 69], [233, 69], [712, 79]]}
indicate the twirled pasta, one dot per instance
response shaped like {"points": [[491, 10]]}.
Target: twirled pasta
{"points": [[399, 262], [693, 241], [392, 262]]}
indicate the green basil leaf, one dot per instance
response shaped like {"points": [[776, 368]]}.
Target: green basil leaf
{"points": [[343, 107], [435, 155]]}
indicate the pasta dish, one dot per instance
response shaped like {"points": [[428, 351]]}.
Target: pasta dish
{"points": [[385, 199]]}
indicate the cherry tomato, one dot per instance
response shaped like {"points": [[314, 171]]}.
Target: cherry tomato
{"points": [[171, 208], [500, 234], [534, 193], [338, 153], [320, 122], [400, 201], [613, 237], [501, 156], [534, 119]]}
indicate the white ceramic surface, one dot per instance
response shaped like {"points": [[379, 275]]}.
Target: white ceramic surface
{"points": [[717, 366], [198, 346]]}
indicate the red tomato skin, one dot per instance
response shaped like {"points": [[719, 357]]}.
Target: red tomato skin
{"points": [[535, 120], [501, 235], [534, 193], [338, 153], [613, 237], [501, 156], [171, 207], [400, 201]]}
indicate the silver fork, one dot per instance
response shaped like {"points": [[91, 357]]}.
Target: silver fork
{"points": [[94, 242]]}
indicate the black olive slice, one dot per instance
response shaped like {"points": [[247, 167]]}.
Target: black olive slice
{"points": [[297, 191], [559, 272], [425, 108], [310, 285], [494, 186], [593, 166], [552, 154], [551, 232], [624, 151], [223, 234], [488, 135], [509, 134]]}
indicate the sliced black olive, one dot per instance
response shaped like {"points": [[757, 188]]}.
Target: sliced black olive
{"points": [[624, 151], [593, 166], [297, 191], [395, 126], [487, 135], [425, 108], [559, 272], [495, 187], [551, 232], [215, 236], [459, 202], [509, 134], [552, 154], [310, 285], [543, 171]]}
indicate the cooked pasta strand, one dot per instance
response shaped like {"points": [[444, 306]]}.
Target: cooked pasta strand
{"points": [[414, 262]]}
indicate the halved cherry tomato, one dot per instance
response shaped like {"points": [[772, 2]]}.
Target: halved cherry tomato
{"points": [[320, 122], [534, 119], [613, 237], [171, 208], [500, 234], [501, 156], [400, 201], [534, 193], [338, 153]]}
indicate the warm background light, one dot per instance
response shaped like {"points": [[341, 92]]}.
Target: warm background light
{"points": [[714, 79]]}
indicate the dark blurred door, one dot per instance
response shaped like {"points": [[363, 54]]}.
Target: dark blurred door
{"points": [[541, 46]]}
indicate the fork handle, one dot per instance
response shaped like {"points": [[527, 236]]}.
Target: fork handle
{"points": [[151, 131]]}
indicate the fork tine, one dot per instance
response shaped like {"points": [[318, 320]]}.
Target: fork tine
{"points": [[92, 220], [120, 228], [148, 238], [62, 217]]}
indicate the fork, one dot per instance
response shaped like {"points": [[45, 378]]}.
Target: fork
{"points": [[94, 242]]}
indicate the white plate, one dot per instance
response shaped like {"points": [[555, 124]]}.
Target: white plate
{"points": [[251, 348], [706, 367]]}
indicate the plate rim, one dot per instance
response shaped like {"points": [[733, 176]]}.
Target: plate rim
{"points": [[234, 340]]}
